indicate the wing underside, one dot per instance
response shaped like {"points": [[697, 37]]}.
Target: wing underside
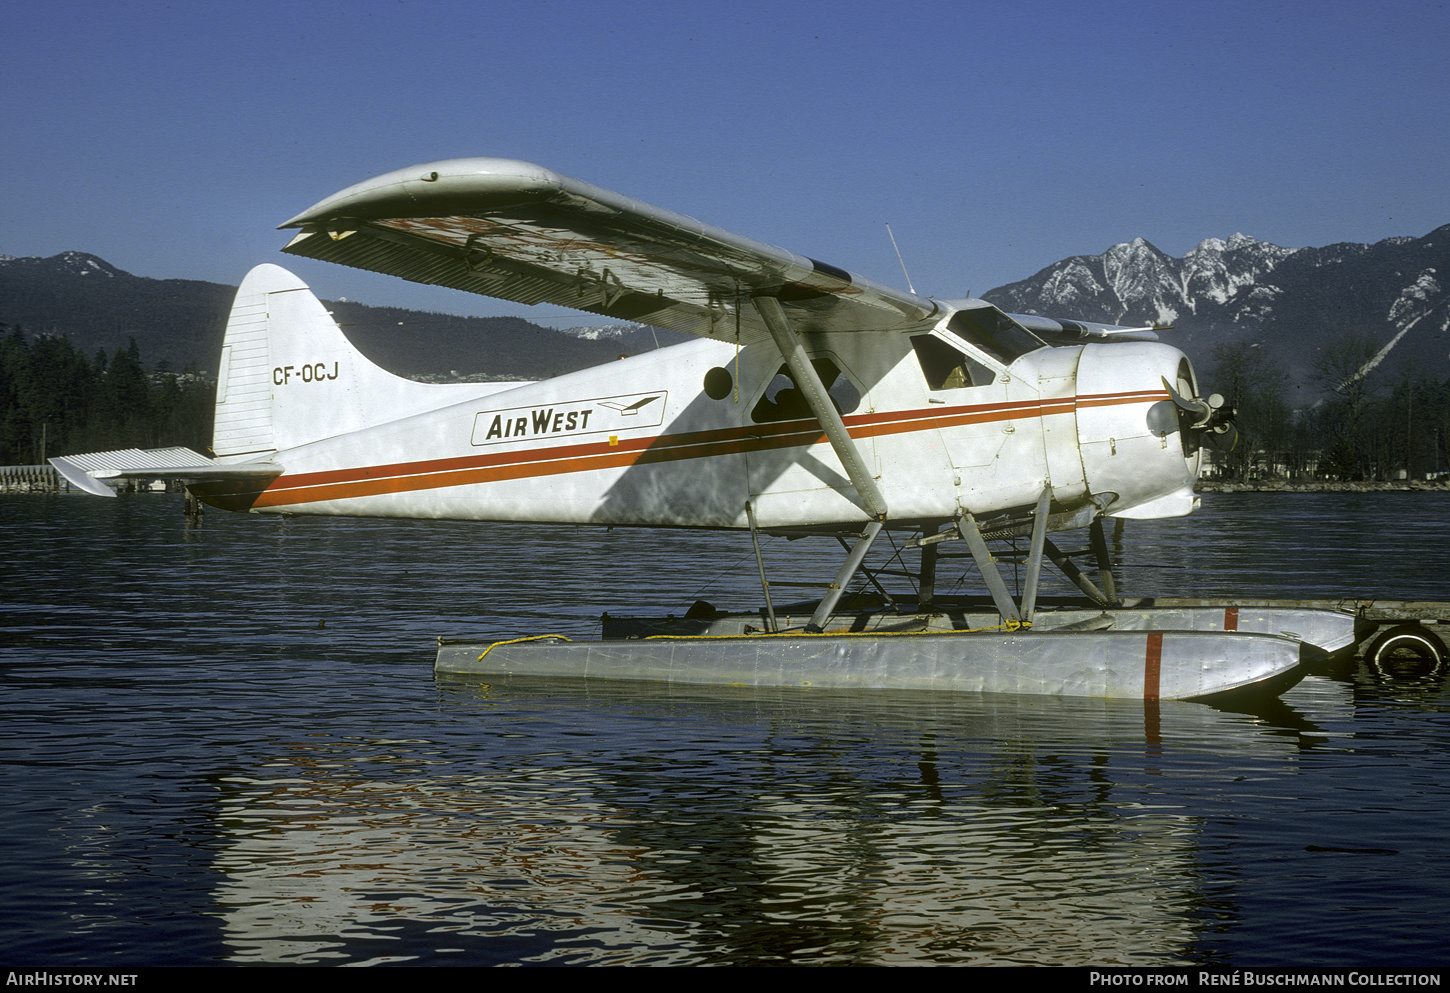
{"points": [[519, 232]]}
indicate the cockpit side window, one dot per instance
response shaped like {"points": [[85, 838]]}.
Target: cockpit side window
{"points": [[784, 401], [946, 367], [995, 333]]}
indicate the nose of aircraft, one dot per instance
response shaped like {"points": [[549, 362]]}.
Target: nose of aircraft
{"points": [[1141, 425]]}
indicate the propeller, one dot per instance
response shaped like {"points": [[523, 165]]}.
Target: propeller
{"points": [[1210, 421]]}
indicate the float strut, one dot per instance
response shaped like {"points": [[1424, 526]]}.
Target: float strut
{"points": [[760, 564], [1034, 555], [972, 535], [871, 577], [1075, 574], [1105, 561], [926, 587], [853, 562]]}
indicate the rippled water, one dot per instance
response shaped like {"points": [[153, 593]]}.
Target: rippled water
{"points": [[226, 744]]}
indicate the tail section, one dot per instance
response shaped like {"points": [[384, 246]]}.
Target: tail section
{"points": [[289, 376]]}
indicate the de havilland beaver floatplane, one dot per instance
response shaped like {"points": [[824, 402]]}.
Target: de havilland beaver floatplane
{"points": [[816, 402]]}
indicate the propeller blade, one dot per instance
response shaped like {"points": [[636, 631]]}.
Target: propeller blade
{"points": [[1223, 438], [1200, 409], [1182, 402]]}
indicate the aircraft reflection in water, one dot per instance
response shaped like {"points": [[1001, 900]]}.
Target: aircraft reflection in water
{"points": [[818, 402], [1035, 847]]}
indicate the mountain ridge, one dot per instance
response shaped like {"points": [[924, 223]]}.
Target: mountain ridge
{"points": [[1292, 300], [181, 323], [1239, 289]]}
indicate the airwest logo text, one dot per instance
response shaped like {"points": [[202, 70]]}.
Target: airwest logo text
{"points": [[579, 417]]}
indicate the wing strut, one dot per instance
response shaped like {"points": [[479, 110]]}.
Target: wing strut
{"points": [[816, 397], [829, 418]]}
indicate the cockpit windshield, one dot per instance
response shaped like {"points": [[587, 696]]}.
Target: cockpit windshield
{"points": [[994, 333]]}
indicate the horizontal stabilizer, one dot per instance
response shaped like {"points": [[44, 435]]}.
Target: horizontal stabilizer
{"points": [[86, 471]]}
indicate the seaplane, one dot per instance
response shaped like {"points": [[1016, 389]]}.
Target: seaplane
{"points": [[812, 402]]}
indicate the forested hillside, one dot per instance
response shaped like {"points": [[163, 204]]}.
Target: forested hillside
{"points": [[182, 321], [56, 400]]}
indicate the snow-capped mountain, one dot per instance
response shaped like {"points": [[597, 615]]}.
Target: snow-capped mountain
{"points": [[1292, 300], [67, 263], [604, 331], [1133, 282]]}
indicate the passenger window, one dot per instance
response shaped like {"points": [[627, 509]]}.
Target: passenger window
{"points": [[783, 400], [947, 368]]}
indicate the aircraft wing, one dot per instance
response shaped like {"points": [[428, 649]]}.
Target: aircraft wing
{"points": [[1060, 331], [509, 229], [86, 471]]}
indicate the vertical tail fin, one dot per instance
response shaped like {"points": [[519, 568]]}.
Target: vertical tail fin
{"points": [[289, 376]]}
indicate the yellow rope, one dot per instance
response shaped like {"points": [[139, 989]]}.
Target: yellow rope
{"points": [[515, 641], [1007, 626]]}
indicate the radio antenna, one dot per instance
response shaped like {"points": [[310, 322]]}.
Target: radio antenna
{"points": [[900, 259]]}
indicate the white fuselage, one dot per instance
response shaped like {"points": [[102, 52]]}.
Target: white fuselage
{"points": [[685, 436]]}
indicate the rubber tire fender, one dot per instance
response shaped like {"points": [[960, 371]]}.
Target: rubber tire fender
{"points": [[1413, 637]]}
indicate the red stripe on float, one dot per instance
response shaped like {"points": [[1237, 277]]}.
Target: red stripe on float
{"points": [[1230, 618], [1152, 665]]}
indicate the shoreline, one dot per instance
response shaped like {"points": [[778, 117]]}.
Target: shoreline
{"points": [[1324, 486]]}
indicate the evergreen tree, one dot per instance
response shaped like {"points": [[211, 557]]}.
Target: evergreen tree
{"points": [[55, 401]]}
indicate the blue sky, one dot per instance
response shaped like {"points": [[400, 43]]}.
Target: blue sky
{"points": [[995, 138]]}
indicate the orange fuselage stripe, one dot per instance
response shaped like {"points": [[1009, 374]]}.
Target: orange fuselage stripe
{"points": [[404, 477]]}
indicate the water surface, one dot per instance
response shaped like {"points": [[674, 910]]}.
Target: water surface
{"points": [[227, 744]]}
